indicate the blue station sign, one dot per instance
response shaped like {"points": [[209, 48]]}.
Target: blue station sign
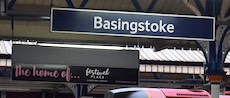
{"points": [[132, 24]]}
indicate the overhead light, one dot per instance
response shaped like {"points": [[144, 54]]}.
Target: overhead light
{"points": [[82, 46], [45, 17]]}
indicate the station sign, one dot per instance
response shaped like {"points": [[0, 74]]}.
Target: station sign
{"points": [[132, 24], [75, 65], [74, 74]]}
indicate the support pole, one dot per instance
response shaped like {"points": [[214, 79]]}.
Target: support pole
{"points": [[215, 69], [215, 90], [78, 91], [215, 81], [11, 4], [216, 62]]}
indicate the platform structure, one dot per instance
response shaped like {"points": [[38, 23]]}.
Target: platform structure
{"points": [[18, 21]]}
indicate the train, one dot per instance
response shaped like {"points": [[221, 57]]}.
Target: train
{"points": [[158, 93]]}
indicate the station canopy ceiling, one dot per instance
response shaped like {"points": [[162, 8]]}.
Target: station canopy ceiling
{"points": [[29, 19]]}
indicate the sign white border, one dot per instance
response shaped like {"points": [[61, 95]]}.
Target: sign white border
{"points": [[133, 13]]}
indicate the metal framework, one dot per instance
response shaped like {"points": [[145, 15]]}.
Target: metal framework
{"points": [[216, 53]]}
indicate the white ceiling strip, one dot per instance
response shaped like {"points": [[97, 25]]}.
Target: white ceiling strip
{"points": [[187, 55], [176, 55], [145, 57], [171, 55], [3, 49], [185, 58], [8, 47], [166, 55], [194, 56], [227, 60], [162, 57], [151, 53], [200, 55], [145, 53]]}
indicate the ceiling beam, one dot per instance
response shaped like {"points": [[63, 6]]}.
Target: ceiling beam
{"points": [[83, 3], [150, 8], [218, 6], [70, 3], [200, 7], [137, 5], [209, 7], [11, 4]]}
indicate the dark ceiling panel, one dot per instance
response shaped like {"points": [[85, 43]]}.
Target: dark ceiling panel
{"points": [[159, 5], [99, 4], [108, 4], [125, 5], [174, 6], [91, 4], [77, 3], [184, 9], [116, 4], [46, 2], [178, 8], [167, 6], [39, 2]]}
